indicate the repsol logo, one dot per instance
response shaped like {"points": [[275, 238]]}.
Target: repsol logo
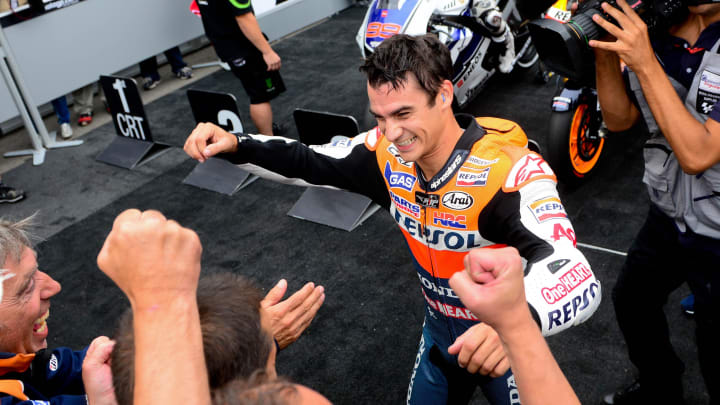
{"points": [[472, 179], [399, 179], [548, 208], [569, 310], [457, 200], [438, 238]]}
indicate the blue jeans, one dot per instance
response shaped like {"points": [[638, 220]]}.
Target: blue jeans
{"points": [[149, 67], [61, 110]]}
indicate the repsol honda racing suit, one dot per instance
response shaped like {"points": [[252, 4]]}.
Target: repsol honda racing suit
{"points": [[481, 198]]}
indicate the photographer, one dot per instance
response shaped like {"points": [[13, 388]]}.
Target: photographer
{"points": [[674, 85]]}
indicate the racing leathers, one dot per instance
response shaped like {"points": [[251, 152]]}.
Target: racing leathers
{"points": [[491, 192], [46, 377]]}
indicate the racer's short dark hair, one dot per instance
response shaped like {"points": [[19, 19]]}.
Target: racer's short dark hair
{"points": [[234, 343], [424, 56]]}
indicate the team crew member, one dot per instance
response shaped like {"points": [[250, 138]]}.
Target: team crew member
{"points": [[29, 372], [451, 185], [233, 30], [675, 81]]}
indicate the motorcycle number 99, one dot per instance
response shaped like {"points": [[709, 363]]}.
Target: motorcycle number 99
{"points": [[382, 30]]}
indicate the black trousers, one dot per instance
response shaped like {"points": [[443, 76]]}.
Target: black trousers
{"points": [[658, 262]]}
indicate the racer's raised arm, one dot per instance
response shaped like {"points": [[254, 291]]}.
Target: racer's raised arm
{"points": [[348, 163], [528, 215]]}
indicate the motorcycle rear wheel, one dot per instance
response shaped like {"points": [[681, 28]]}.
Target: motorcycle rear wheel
{"points": [[572, 152]]}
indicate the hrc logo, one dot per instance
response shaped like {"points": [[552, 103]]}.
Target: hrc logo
{"points": [[449, 220]]}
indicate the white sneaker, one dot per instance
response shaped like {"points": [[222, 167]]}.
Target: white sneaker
{"points": [[65, 130]]}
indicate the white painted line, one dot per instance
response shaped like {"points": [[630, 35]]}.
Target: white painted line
{"points": [[602, 249]]}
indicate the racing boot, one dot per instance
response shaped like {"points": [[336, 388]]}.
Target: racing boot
{"points": [[487, 14]]}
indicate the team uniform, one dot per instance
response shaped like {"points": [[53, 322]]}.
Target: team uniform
{"points": [[233, 48], [46, 377], [680, 240], [480, 198]]}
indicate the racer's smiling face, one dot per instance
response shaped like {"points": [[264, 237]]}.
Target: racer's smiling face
{"points": [[416, 125], [25, 304]]}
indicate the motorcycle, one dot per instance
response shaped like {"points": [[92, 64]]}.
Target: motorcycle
{"points": [[474, 54], [576, 133]]}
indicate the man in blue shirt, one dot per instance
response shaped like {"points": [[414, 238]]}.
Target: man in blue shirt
{"points": [[28, 371]]}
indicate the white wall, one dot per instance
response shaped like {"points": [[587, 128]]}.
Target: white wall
{"points": [[66, 49]]}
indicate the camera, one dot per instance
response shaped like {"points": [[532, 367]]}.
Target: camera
{"points": [[563, 46]]}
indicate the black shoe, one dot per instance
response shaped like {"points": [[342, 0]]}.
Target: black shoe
{"points": [[10, 195], [633, 395], [279, 129]]}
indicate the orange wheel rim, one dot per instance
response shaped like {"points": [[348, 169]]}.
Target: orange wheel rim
{"points": [[584, 153]]}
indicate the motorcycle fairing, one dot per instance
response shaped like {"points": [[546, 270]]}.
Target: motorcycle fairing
{"points": [[397, 18]]}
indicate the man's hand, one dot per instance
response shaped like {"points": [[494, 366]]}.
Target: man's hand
{"points": [[272, 60], [291, 317], [152, 259], [96, 373], [208, 140], [480, 350], [492, 286], [632, 43]]}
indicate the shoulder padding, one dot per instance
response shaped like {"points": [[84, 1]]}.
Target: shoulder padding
{"points": [[511, 132], [372, 138], [529, 167]]}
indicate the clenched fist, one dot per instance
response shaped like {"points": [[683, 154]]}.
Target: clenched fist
{"points": [[152, 259]]}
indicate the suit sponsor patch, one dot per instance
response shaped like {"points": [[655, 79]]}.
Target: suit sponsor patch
{"points": [[577, 275], [396, 153], [470, 178], [449, 170], [399, 179], [708, 92], [548, 208], [480, 162], [449, 220], [53, 363], [457, 200], [405, 206], [427, 200], [530, 167]]}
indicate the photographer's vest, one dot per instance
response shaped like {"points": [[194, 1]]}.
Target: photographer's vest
{"points": [[692, 200]]}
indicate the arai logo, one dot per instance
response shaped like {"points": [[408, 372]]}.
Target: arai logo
{"points": [[457, 200]]}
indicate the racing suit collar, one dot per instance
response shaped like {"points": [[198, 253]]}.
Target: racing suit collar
{"points": [[473, 133], [15, 362]]}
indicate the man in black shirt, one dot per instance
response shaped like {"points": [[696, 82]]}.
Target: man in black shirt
{"points": [[233, 30]]}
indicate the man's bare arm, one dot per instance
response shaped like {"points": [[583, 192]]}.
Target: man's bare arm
{"points": [[251, 29], [156, 263]]}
